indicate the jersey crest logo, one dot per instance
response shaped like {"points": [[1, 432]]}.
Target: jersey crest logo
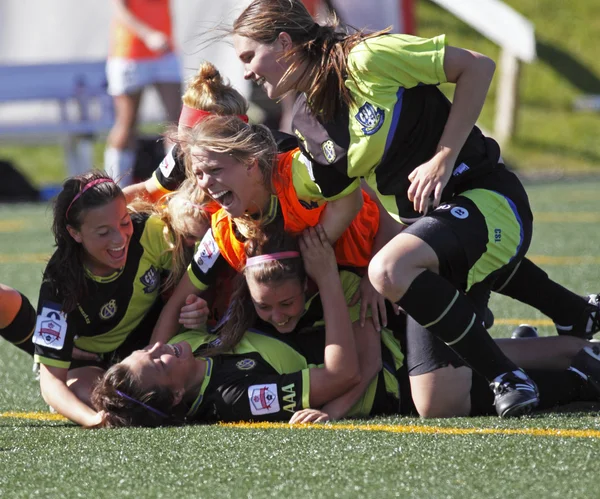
{"points": [[150, 280], [50, 327], [245, 364], [263, 399], [370, 117], [108, 310], [328, 148]]}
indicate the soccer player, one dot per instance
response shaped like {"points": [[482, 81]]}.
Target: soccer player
{"points": [[100, 291], [369, 107]]}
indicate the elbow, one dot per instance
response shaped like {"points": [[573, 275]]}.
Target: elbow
{"points": [[485, 66]]}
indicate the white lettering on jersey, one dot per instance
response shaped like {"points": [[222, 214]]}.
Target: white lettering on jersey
{"points": [[207, 252], [263, 399], [50, 329], [168, 163]]}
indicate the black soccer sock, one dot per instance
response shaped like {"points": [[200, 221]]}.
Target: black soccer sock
{"points": [[531, 285], [555, 388], [448, 314], [20, 330]]}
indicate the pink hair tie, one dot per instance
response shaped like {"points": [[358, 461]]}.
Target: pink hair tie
{"points": [[87, 186], [255, 260], [190, 117]]}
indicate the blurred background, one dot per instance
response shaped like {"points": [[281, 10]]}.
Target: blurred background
{"points": [[544, 104]]}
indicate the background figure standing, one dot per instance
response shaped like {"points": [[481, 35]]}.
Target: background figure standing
{"points": [[141, 54]]}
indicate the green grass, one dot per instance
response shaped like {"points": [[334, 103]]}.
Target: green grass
{"points": [[550, 136], [56, 459]]}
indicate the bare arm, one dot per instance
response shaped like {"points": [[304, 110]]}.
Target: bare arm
{"points": [[472, 73], [56, 393], [168, 322], [146, 190], [338, 214], [154, 40], [340, 371]]}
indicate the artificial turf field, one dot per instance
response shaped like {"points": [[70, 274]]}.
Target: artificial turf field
{"points": [[551, 455]]}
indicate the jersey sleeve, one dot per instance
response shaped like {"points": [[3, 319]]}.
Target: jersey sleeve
{"points": [[266, 397], [204, 267], [155, 239], [381, 70], [52, 338], [170, 174]]}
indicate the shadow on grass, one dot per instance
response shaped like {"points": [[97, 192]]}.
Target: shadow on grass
{"points": [[569, 68]]}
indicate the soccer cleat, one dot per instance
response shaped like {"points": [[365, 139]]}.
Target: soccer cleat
{"points": [[589, 322], [515, 394], [525, 331]]}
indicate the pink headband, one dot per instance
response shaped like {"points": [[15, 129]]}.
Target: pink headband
{"points": [[255, 260], [190, 117], [87, 186]]}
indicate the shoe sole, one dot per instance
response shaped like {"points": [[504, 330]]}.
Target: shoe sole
{"points": [[520, 409]]}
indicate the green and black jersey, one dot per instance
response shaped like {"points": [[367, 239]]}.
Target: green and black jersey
{"points": [[393, 126], [265, 379], [118, 312]]}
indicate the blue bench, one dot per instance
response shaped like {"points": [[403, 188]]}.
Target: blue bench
{"points": [[79, 90]]}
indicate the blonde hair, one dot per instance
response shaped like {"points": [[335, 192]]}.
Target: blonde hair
{"points": [[209, 91], [178, 210], [319, 54], [247, 143]]}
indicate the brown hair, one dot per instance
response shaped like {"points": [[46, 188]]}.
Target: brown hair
{"points": [[65, 270], [241, 314], [209, 91], [319, 52], [122, 411]]}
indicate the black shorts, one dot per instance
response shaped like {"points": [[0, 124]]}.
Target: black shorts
{"points": [[480, 234]]}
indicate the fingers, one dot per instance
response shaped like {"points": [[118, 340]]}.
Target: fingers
{"points": [[363, 312], [309, 416], [354, 300], [382, 310]]}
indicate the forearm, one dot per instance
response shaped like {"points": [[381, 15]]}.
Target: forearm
{"points": [[57, 395], [472, 85], [338, 214], [368, 343], [124, 15]]}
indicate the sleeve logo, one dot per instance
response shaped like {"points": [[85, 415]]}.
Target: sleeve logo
{"points": [[168, 163], [207, 252], [328, 148], [245, 364], [50, 328], [263, 399], [150, 280], [370, 118]]}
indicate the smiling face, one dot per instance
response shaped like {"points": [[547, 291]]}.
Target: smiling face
{"points": [[280, 304], [264, 64], [237, 187], [166, 366], [105, 233]]}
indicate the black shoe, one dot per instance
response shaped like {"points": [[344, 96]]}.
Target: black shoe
{"points": [[525, 331], [589, 322], [515, 394], [587, 364]]}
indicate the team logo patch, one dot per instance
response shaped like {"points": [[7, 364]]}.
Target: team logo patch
{"points": [[445, 206], [370, 117], [459, 212], [207, 252], [245, 364], [263, 399], [108, 310], [168, 163], [460, 169], [328, 148], [150, 280], [50, 327]]}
